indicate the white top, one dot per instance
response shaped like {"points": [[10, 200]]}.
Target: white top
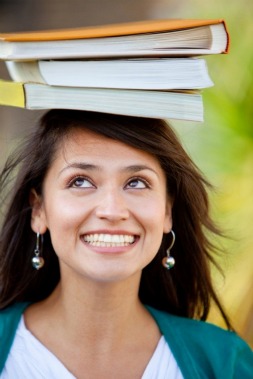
{"points": [[30, 359]]}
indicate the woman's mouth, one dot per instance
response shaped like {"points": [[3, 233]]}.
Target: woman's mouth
{"points": [[109, 240]]}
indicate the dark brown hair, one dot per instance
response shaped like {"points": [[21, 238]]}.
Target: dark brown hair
{"points": [[186, 290]]}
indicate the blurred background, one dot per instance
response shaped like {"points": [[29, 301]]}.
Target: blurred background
{"points": [[222, 146]]}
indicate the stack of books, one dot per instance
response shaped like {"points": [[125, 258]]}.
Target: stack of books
{"points": [[149, 68]]}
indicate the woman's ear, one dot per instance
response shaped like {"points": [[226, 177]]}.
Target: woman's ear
{"points": [[167, 226], [38, 217]]}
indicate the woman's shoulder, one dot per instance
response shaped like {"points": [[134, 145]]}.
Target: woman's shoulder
{"points": [[11, 313], [193, 329], [9, 320], [206, 347]]}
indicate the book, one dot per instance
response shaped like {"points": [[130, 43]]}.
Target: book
{"points": [[155, 38], [139, 73], [142, 103]]}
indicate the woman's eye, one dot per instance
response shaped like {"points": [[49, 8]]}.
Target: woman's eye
{"points": [[80, 182], [137, 183]]}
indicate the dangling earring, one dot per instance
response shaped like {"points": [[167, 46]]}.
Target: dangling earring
{"points": [[37, 261], [169, 262]]}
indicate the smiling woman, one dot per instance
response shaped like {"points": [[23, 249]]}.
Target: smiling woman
{"points": [[98, 193], [94, 203]]}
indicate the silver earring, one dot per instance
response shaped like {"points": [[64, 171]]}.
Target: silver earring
{"points": [[37, 260], [169, 262]]}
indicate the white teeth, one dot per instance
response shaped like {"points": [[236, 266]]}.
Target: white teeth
{"points": [[100, 238], [109, 240]]}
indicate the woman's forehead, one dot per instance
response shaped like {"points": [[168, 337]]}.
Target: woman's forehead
{"points": [[85, 141], [83, 145]]}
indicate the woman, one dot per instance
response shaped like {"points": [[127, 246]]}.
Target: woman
{"points": [[101, 208]]}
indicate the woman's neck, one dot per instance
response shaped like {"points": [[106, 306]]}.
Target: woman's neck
{"points": [[90, 303], [99, 324], [84, 307]]}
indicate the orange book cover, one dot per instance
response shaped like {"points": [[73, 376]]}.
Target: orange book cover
{"points": [[113, 30]]}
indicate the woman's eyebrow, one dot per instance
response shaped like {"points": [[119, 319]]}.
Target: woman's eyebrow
{"points": [[80, 165], [91, 167], [136, 168]]}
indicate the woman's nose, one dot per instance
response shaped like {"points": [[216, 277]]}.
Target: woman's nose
{"points": [[112, 206]]}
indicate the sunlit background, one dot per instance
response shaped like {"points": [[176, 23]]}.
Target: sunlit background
{"points": [[222, 146]]}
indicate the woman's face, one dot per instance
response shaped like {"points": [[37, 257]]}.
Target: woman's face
{"points": [[105, 206]]}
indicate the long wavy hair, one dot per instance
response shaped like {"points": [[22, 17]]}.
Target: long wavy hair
{"points": [[186, 290]]}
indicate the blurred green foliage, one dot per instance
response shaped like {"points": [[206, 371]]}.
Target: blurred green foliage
{"points": [[223, 149]]}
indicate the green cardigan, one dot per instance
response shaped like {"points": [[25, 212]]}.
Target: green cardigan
{"points": [[201, 350]]}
